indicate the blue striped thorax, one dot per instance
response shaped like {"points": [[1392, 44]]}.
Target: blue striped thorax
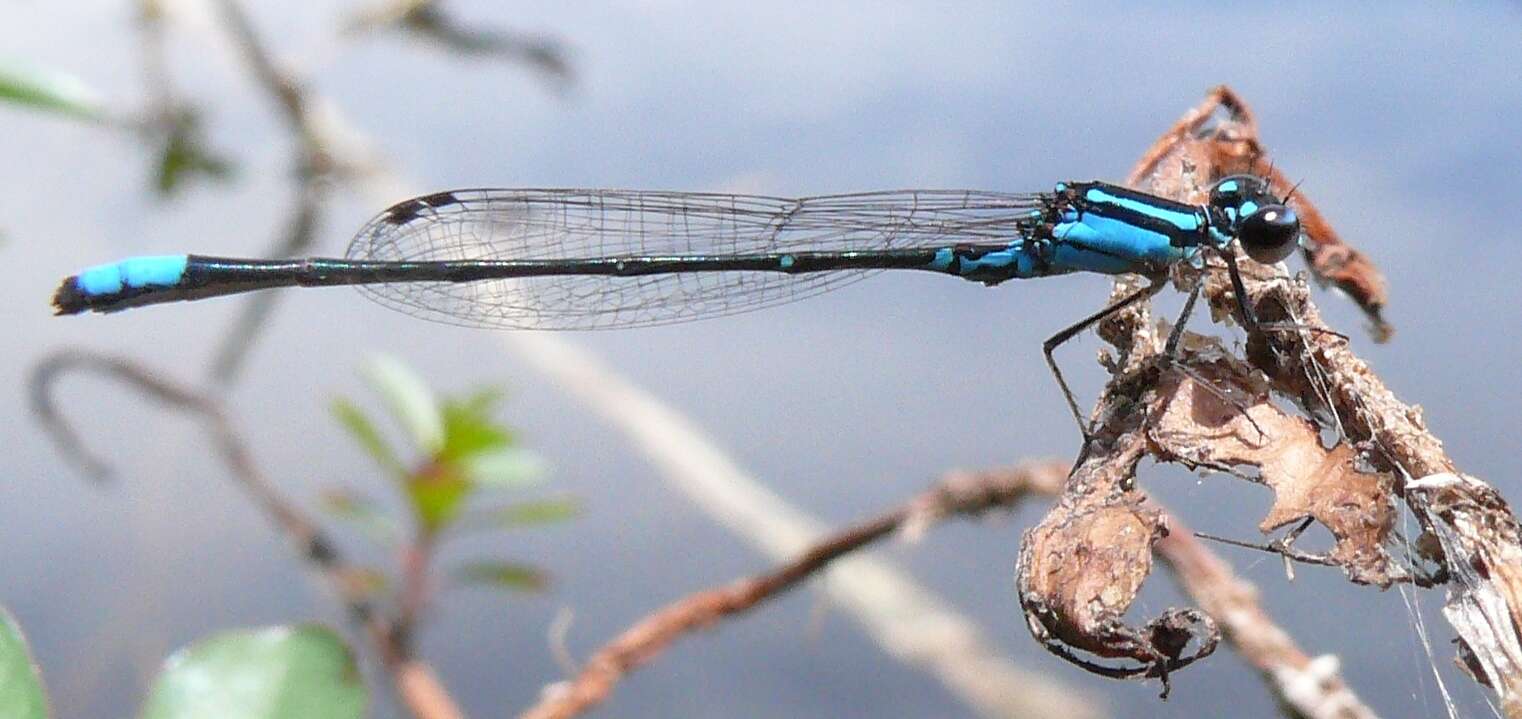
{"points": [[1105, 228], [1112, 229], [1101, 227]]}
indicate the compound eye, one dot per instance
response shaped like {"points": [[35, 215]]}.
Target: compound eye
{"points": [[1270, 234], [1229, 192]]}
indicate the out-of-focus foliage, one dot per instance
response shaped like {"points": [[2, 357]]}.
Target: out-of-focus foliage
{"points": [[507, 575], [270, 673], [50, 91], [21, 693], [460, 458], [174, 132], [430, 21], [184, 154]]}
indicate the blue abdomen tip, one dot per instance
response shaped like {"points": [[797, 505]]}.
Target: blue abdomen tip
{"points": [[133, 273]]}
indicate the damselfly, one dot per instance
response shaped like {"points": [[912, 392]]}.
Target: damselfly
{"points": [[591, 259]]}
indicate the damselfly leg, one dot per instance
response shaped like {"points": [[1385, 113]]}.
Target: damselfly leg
{"points": [[1068, 333]]}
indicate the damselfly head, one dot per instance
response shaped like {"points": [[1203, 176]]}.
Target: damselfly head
{"points": [[1267, 229]]}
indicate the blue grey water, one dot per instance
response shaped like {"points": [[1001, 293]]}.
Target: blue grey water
{"points": [[1401, 117]]}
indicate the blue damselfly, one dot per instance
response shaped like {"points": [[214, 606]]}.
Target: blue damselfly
{"points": [[591, 259]]}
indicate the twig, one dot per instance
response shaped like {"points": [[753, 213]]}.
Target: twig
{"points": [[956, 494], [244, 333], [909, 622], [1312, 687], [1479, 537], [315, 170], [415, 590], [1223, 134], [1081, 567], [419, 689], [428, 19], [1103, 525]]}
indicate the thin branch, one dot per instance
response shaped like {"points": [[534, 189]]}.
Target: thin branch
{"points": [[416, 589], [415, 681], [316, 167], [906, 620], [956, 494], [428, 19], [1312, 687], [287, 91], [239, 339]]}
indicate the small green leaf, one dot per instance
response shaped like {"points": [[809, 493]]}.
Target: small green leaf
{"points": [[21, 692], [302, 671], [469, 428], [505, 468], [50, 91], [364, 432], [543, 511], [409, 399], [186, 155], [504, 575], [370, 518]]}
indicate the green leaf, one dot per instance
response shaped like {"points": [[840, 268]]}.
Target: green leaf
{"points": [[503, 575], [50, 91], [505, 468], [21, 693], [186, 155], [300, 671], [370, 518], [469, 428], [409, 399], [364, 432], [537, 512]]}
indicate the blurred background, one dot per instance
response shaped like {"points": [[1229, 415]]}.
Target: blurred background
{"points": [[1400, 117]]}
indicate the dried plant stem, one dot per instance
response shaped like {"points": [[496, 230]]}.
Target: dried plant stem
{"points": [[956, 494], [315, 164], [1312, 687], [908, 621], [1477, 535], [1081, 566]]}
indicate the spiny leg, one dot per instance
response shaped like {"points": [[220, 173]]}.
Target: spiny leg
{"points": [[1170, 351], [1249, 319], [1057, 340], [1282, 546], [1177, 334]]}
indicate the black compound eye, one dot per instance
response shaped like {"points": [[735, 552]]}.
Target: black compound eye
{"points": [[1270, 234]]}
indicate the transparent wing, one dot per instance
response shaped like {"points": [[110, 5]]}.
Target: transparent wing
{"points": [[579, 224]]}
